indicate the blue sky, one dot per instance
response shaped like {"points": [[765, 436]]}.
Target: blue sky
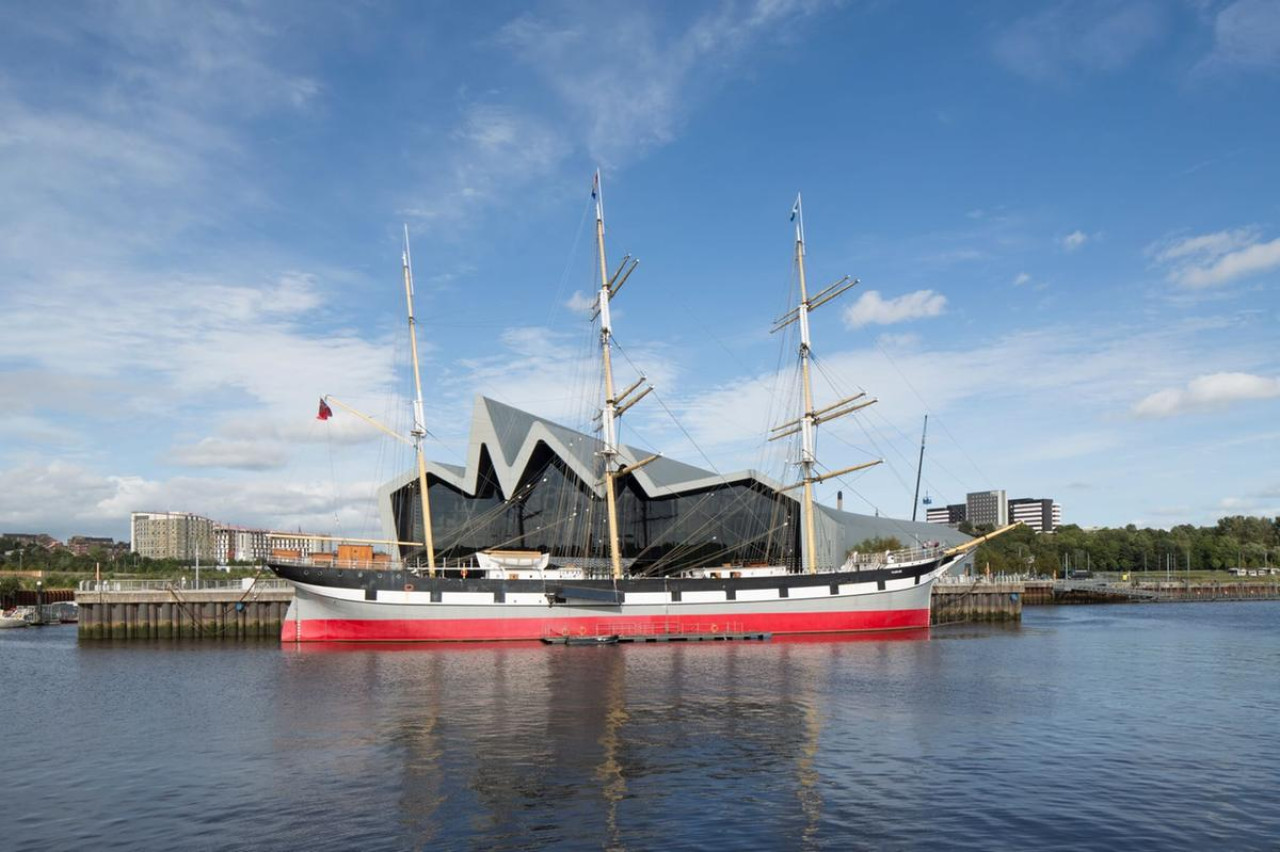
{"points": [[1064, 216]]}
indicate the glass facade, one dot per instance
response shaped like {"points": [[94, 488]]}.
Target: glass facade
{"points": [[553, 511]]}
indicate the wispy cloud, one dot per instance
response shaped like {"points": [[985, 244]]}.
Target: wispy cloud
{"points": [[1079, 37], [626, 75], [236, 455], [1092, 366], [1211, 260], [1021, 278], [494, 151], [1246, 33], [619, 81], [1206, 393], [553, 374], [872, 309]]}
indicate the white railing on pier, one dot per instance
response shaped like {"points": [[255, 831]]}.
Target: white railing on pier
{"points": [[183, 585], [972, 579]]}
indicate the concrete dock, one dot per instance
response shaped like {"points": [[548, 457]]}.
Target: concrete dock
{"points": [[154, 610], [976, 600]]}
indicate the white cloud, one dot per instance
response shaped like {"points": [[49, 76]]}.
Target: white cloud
{"points": [[66, 499], [1214, 245], [967, 385], [581, 303], [898, 341], [871, 308], [1206, 393], [626, 78], [494, 152], [1022, 278], [1211, 260], [1074, 240], [237, 455], [1070, 445], [1247, 33], [1074, 37]]}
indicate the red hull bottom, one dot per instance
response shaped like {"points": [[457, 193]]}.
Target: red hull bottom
{"points": [[497, 629]]}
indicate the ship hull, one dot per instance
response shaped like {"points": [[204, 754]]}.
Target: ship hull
{"points": [[457, 610]]}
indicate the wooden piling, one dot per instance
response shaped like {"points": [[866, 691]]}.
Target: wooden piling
{"points": [[977, 601], [154, 614]]}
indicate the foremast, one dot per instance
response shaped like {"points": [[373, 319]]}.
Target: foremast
{"points": [[807, 423], [614, 404], [419, 430]]}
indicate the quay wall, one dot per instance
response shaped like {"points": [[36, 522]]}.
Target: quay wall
{"points": [[182, 614], [1068, 592], [1183, 591], [981, 600]]}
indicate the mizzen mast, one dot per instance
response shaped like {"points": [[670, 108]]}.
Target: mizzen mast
{"points": [[419, 430], [808, 422], [614, 404]]}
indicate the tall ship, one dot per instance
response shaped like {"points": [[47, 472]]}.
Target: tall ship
{"points": [[552, 534]]}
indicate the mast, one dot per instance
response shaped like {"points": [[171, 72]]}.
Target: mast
{"points": [[915, 502], [808, 422], [419, 430], [609, 413], [615, 404]]}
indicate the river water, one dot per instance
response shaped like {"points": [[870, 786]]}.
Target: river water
{"points": [[1118, 727]]}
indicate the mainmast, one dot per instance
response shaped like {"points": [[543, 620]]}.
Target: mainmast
{"points": [[614, 404], [419, 430], [808, 422]]}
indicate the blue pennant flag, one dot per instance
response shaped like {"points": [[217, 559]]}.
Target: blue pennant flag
{"points": [[795, 210]]}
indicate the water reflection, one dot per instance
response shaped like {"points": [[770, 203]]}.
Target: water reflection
{"points": [[600, 747], [1137, 722]]}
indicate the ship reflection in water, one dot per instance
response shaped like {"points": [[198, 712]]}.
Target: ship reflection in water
{"points": [[603, 747], [1118, 727]]}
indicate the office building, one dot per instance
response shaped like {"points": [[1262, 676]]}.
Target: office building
{"points": [[987, 507], [171, 535], [951, 515], [1042, 515]]}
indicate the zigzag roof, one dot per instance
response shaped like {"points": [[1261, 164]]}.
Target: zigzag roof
{"points": [[511, 436]]}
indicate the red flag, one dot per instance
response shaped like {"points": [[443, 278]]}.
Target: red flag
{"points": [[325, 411]]}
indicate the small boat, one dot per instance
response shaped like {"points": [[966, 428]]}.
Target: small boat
{"points": [[16, 617], [611, 639]]}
